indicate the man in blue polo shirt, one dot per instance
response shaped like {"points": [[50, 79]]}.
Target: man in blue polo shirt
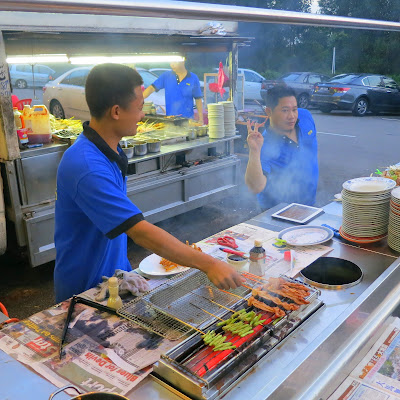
{"points": [[93, 214], [283, 161], [181, 87]]}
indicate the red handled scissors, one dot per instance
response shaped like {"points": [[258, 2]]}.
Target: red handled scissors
{"points": [[227, 241]]}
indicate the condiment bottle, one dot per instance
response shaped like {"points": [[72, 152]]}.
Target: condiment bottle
{"points": [[26, 114], [114, 301], [17, 118], [257, 259]]}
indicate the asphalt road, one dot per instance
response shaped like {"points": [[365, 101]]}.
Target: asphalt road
{"points": [[349, 147]]}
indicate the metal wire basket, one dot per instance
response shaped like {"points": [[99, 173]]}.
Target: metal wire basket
{"points": [[175, 308]]}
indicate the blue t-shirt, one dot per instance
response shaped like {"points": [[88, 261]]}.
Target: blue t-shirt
{"points": [[291, 168], [91, 215], [179, 95]]}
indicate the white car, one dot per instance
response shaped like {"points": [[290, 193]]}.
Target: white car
{"points": [[65, 96], [252, 83]]}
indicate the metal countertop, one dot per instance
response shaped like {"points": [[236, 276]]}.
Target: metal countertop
{"points": [[307, 365]]}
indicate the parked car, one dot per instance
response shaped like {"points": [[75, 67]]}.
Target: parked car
{"points": [[252, 83], [23, 75], [65, 96], [358, 93], [159, 71], [302, 82]]}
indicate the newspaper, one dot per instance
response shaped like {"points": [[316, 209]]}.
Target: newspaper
{"points": [[377, 376], [105, 352], [245, 234]]}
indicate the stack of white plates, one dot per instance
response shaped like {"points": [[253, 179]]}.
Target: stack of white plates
{"points": [[215, 120], [229, 118], [394, 220], [366, 209]]}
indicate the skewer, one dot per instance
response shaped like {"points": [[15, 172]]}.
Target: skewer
{"points": [[190, 326], [202, 309], [247, 287], [219, 305], [240, 297], [255, 276]]}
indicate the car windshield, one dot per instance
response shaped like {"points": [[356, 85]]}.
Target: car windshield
{"points": [[348, 78], [290, 77]]}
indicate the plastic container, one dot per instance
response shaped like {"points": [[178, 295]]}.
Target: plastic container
{"points": [[18, 118], [23, 135], [114, 301], [257, 259], [26, 115], [41, 131], [238, 262]]}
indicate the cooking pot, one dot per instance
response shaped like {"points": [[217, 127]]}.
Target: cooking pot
{"points": [[153, 145], [91, 395], [140, 148]]}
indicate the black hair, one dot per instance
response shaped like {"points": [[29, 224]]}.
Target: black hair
{"points": [[108, 85], [276, 93]]}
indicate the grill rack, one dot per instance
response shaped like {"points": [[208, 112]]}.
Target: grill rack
{"points": [[172, 310]]}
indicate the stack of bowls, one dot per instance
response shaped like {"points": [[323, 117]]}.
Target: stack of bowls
{"points": [[215, 121], [366, 209], [229, 118], [394, 220]]}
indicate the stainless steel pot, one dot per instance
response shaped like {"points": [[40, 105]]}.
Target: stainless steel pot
{"points": [[140, 148], [153, 145], [128, 150], [89, 396], [191, 135]]}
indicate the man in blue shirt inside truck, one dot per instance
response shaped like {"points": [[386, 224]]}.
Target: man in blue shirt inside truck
{"points": [[283, 161], [181, 87], [93, 214]]}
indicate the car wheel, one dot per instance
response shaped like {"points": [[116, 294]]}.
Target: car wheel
{"points": [[21, 84], [303, 101], [360, 107], [325, 109], [56, 109]]}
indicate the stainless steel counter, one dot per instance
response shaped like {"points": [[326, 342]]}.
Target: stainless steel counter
{"points": [[312, 361], [179, 178]]}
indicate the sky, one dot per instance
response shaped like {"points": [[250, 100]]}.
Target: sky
{"points": [[314, 6]]}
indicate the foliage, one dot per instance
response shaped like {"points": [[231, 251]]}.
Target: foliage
{"points": [[281, 48]]}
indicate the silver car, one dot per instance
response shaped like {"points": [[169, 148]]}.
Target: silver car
{"points": [[65, 96], [24, 75]]}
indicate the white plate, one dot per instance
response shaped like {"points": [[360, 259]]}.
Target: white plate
{"points": [[369, 185], [151, 266], [306, 235]]}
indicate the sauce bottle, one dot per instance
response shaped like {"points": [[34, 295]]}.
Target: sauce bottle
{"points": [[114, 301], [257, 259], [17, 118], [26, 114]]}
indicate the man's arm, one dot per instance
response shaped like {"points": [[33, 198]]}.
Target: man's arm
{"points": [[165, 245], [255, 178], [199, 106], [147, 92]]}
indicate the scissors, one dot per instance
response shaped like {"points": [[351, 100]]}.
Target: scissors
{"points": [[227, 241]]}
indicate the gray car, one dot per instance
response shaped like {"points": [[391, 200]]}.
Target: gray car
{"points": [[358, 93], [302, 82], [24, 75]]}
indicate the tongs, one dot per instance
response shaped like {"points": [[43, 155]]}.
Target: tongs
{"points": [[82, 300]]}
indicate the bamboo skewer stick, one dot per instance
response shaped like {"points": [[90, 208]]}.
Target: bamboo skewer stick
{"points": [[190, 326], [202, 309], [240, 297], [254, 276], [219, 305]]}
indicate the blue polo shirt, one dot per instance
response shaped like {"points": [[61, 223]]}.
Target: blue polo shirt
{"points": [[291, 168], [179, 95], [91, 215]]}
